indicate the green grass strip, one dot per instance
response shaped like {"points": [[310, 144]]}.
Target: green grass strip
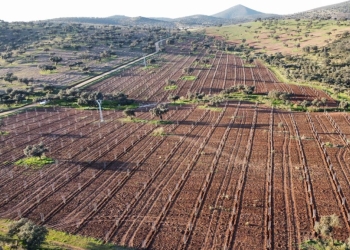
{"points": [[34, 162]]}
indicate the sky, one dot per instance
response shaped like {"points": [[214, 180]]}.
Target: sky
{"points": [[31, 10]]}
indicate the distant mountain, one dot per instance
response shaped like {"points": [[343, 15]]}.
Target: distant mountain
{"points": [[237, 11], [200, 20], [165, 19], [241, 12], [113, 20], [335, 11]]}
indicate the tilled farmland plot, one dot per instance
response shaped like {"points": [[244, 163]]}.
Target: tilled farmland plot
{"points": [[238, 176]]}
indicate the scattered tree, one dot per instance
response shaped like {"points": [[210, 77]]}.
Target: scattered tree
{"points": [[31, 235], [343, 104], [129, 113], [36, 150], [173, 98], [325, 227], [56, 59], [159, 111]]}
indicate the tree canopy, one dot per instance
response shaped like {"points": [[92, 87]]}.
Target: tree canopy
{"points": [[31, 235]]}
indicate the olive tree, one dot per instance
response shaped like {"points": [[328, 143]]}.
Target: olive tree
{"points": [[129, 112], [325, 227], [55, 59], [173, 98], [159, 111], [36, 150], [31, 235]]}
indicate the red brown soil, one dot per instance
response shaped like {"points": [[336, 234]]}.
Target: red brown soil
{"points": [[204, 185]]}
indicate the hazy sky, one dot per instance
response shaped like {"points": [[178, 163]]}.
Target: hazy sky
{"points": [[29, 10]]}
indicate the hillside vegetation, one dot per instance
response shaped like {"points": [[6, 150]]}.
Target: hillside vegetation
{"points": [[304, 51], [340, 11], [38, 53], [286, 36]]}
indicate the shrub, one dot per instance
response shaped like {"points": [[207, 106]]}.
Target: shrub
{"points": [[129, 112], [31, 235], [158, 131], [37, 150]]}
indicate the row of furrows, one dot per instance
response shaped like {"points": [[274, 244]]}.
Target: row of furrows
{"points": [[237, 204], [217, 79], [108, 131], [306, 173], [231, 68], [160, 189], [61, 138], [240, 74], [180, 192], [114, 187], [337, 172], [128, 77], [210, 88], [140, 79], [210, 74], [147, 81], [226, 69], [269, 213], [198, 216], [324, 168], [60, 134], [115, 155], [81, 160], [284, 176], [28, 126], [261, 85], [198, 73], [249, 78], [160, 168], [251, 229], [198, 84], [145, 212], [49, 173], [284, 212], [117, 81], [173, 73], [182, 88], [224, 179]]}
